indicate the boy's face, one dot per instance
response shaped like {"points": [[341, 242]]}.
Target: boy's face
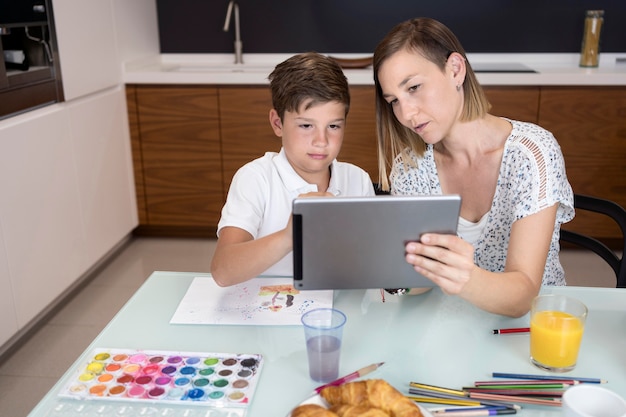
{"points": [[311, 137]]}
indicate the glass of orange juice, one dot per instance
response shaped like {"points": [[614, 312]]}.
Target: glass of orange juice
{"points": [[557, 324]]}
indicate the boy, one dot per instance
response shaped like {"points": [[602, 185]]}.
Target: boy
{"points": [[310, 99]]}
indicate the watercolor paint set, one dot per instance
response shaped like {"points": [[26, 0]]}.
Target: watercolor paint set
{"points": [[211, 379]]}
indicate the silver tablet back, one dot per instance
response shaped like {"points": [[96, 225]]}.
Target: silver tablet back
{"points": [[358, 242]]}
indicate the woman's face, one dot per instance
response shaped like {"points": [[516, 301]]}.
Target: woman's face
{"points": [[422, 97]]}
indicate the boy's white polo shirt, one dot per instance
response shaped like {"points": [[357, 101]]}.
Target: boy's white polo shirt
{"points": [[262, 191]]}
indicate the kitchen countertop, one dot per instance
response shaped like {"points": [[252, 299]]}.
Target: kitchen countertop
{"points": [[491, 69]]}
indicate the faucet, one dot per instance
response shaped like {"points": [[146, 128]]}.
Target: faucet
{"points": [[238, 45]]}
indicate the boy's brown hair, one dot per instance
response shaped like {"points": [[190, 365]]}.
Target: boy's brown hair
{"points": [[310, 79]]}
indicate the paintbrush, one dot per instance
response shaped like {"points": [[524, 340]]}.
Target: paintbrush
{"points": [[351, 377]]}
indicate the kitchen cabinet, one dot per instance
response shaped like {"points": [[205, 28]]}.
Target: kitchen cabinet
{"points": [[587, 122], [245, 129], [188, 141], [590, 125], [186, 149], [86, 35], [8, 319], [176, 143], [40, 210], [359, 143], [133, 128], [519, 103], [67, 200], [103, 165]]}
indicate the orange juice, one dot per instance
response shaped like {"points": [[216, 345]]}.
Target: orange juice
{"points": [[555, 338]]}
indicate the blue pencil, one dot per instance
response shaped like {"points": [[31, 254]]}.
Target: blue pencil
{"points": [[528, 376]]}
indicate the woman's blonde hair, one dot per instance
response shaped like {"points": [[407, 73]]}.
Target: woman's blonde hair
{"points": [[433, 40]]}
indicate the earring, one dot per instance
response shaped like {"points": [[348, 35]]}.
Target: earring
{"points": [[458, 87]]}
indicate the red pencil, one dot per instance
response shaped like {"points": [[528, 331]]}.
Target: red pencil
{"points": [[513, 330]]}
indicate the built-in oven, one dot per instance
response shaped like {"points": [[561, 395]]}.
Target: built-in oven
{"points": [[30, 75]]}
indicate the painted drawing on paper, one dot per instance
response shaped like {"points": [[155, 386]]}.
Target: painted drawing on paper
{"points": [[259, 301]]}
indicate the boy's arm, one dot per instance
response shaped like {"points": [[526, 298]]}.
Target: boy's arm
{"points": [[238, 257]]}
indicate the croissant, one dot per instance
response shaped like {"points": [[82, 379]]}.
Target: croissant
{"points": [[312, 410], [375, 393], [347, 410]]}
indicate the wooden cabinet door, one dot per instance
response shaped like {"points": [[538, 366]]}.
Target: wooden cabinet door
{"points": [[590, 125], [245, 127], [359, 143], [180, 155], [135, 142], [518, 103]]}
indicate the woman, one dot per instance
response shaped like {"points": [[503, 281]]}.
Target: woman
{"points": [[436, 133]]}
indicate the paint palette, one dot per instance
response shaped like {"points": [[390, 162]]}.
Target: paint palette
{"points": [[211, 379]]}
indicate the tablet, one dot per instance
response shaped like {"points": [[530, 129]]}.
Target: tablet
{"points": [[358, 242]]}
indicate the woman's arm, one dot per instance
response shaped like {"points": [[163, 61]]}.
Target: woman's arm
{"points": [[449, 262]]}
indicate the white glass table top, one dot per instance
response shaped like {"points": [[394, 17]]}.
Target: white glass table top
{"points": [[431, 338]]}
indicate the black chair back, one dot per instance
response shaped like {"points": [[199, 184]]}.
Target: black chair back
{"points": [[612, 210]]}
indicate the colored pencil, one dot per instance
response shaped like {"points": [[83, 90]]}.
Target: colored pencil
{"points": [[477, 413], [512, 330], [554, 385], [467, 408], [524, 383], [447, 401], [520, 392], [437, 394], [455, 397], [556, 402], [552, 377], [351, 377], [436, 388]]}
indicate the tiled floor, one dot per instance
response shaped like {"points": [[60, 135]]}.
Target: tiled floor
{"points": [[32, 370]]}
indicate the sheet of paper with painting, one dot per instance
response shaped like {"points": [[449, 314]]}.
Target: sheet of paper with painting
{"points": [[259, 301]]}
